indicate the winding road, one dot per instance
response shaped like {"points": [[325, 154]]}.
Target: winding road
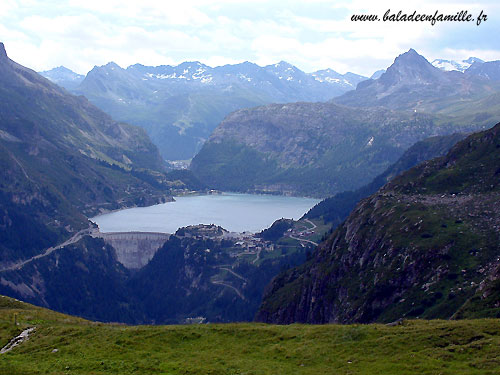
{"points": [[229, 286], [314, 226], [75, 238], [232, 272]]}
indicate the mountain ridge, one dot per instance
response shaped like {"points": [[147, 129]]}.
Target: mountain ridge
{"points": [[63, 159], [425, 245], [461, 66], [180, 105], [412, 83], [310, 148]]}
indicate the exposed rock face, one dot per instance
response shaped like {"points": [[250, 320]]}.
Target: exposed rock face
{"points": [[426, 245], [135, 249]]}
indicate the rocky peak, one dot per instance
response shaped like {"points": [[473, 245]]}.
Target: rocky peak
{"points": [[472, 60], [410, 59], [282, 67], [3, 53], [189, 65], [112, 65], [283, 64], [410, 68], [110, 70], [63, 69]]}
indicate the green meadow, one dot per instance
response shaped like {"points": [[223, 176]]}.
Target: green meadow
{"points": [[63, 344]]}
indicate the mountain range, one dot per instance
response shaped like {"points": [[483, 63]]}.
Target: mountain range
{"points": [[424, 245], [179, 106], [324, 148]]}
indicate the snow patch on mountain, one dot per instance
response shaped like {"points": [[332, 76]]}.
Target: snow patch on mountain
{"points": [[449, 65]]}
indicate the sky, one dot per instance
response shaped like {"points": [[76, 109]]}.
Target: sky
{"points": [[310, 34]]}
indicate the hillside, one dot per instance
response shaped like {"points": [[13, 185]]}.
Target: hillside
{"points": [[64, 344], [315, 149], [63, 160], [426, 245], [335, 209], [179, 106]]}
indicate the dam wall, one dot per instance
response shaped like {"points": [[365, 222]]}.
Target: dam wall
{"points": [[135, 249]]}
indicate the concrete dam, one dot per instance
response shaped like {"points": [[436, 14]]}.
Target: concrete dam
{"points": [[135, 249]]}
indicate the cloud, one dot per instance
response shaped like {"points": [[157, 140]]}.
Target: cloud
{"points": [[314, 35], [7, 6], [172, 13]]}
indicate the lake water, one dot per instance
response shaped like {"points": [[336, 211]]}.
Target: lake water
{"points": [[234, 212]]}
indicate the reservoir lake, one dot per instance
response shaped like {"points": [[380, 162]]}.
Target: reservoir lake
{"points": [[232, 211]]}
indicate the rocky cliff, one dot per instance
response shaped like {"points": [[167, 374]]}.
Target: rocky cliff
{"points": [[426, 245]]}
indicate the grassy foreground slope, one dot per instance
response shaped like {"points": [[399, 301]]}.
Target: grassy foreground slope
{"points": [[84, 347]]}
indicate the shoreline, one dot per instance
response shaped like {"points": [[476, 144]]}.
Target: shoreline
{"points": [[236, 212]]}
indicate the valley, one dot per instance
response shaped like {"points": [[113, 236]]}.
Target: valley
{"points": [[179, 106], [174, 247], [234, 188], [214, 254]]}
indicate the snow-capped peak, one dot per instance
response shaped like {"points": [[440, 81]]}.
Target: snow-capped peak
{"points": [[460, 66]]}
